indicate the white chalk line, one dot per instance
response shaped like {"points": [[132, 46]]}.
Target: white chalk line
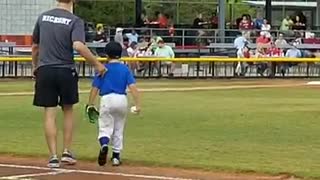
{"points": [[180, 89], [65, 171], [31, 175]]}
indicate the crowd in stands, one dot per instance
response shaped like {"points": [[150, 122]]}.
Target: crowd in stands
{"points": [[135, 46], [257, 31]]}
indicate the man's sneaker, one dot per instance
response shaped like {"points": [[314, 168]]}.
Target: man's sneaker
{"points": [[54, 162], [68, 159], [102, 158], [116, 162]]}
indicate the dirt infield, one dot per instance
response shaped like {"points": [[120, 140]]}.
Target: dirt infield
{"points": [[34, 169]]}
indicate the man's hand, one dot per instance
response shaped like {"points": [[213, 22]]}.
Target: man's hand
{"points": [[34, 71], [101, 69], [86, 53]]}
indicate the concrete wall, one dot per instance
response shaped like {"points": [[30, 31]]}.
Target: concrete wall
{"points": [[17, 17]]}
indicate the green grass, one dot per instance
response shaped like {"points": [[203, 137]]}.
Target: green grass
{"points": [[263, 130]]}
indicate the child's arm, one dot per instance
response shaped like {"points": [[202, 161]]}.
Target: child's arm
{"points": [[96, 85], [136, 96], [93, 95]]}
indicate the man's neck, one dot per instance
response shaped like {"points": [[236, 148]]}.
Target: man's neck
{"points": [[66, 6]]}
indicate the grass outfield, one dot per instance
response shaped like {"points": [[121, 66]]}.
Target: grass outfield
{"points": [[262, 130]]}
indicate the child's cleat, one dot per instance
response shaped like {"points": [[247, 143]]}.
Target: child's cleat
{"points": [[102, 158]]}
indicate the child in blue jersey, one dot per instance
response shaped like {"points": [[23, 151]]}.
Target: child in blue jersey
{"points": [[113, 103]]}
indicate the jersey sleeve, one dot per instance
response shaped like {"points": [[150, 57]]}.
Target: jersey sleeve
{"points": [[36, 33], [78, 31], [97, 81], [130, 79]]}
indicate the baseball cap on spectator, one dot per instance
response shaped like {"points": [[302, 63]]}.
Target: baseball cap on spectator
{"points": [[114, 50], [119, 30]]}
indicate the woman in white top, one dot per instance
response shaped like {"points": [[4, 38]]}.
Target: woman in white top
{"points": [[266, 27], [132, 52]]}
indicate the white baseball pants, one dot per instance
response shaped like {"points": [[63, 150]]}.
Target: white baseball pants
{"points": [[112, 120]]}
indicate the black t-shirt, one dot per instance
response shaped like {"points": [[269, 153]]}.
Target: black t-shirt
{"points": [[196, 23], [55, 32]]}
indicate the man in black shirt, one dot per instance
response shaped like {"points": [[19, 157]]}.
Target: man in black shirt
{"points": [[56, 35]]}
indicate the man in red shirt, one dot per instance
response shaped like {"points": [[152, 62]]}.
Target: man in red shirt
{"points": [[262, 39], [273, 51], [162, 20]]}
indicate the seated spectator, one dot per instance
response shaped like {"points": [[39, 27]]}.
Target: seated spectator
{"points": [[245, 24], [298, 39], [266, 27], [281, 42], [242, 67], [162, 20], [298, 24], [199, 23], [242, 40], [100, 35], [214, 20], [119, 37], [133, 36], [286, 24], [165, 51], [274, 51], [261, 66], [311, 39], [132, 52], [262, 40], [293, 52], [258, 22]]}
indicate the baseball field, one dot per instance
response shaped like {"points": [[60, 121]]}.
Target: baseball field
{"points": [[188, 129]]}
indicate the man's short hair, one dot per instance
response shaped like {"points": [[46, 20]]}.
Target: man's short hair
{"points": [[65, 1]]}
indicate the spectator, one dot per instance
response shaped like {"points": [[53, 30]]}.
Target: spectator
{"points": [[298, 39], [133, 49], [266, 27], [214, 20], [286, 24], [261, 66], [274, 51], [293, 52], [162, 21], [198, 23], [100, 36], [262, 39], [298, 24], [245, 24], [242, 67], [281, 42], [241, 41], [258, 22], [119, 37], [166, 51], [132, 52], [143, 21], [311, 39], [133, 36]]}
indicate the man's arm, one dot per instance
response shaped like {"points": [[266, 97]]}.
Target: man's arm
{"points": [[136, 96], [78, 39], [35, 55], [35, 45]]}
